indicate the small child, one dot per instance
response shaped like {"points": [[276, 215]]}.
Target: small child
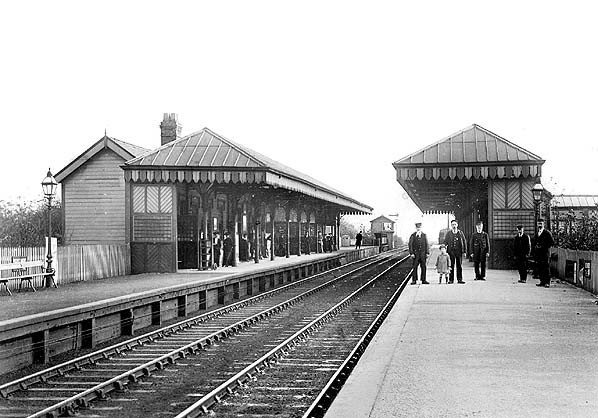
{"points": [[443, 264]]}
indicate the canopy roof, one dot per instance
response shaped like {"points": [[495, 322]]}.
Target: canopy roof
{"points": [[442, 176], [575, 201], [205, 156], [472, 146]]}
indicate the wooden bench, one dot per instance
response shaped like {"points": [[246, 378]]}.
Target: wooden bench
{"points": [[25, 271]]}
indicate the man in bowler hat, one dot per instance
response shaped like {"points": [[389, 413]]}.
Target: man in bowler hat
{"points": [[419, 252], [521, 249]]}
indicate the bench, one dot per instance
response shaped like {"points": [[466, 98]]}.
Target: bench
{"points": [[25, 271]]}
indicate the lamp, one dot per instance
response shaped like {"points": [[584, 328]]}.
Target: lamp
{"points": [[537, 191], [49, 186]]}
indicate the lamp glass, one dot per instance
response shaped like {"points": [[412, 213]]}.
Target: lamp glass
{"points": [[49, 185], [537, 192]]}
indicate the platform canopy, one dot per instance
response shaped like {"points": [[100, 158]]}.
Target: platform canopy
{"points": [[206, 157], [441, 177]]}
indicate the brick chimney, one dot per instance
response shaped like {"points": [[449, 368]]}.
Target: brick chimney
{"points": [[170, 128]]}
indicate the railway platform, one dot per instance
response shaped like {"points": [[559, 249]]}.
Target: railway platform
{"points": [[36, 326], [493, 348], [71, 295]]}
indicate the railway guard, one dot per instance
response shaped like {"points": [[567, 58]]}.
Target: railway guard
{"points": [[419, 250]]}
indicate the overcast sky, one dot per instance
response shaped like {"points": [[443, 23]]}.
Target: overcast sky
{"points": [[338, 90]]}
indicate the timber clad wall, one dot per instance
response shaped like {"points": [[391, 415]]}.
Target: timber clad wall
{"points": [[94, 202]]}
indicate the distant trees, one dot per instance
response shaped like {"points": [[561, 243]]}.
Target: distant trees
{"points": [[25, 224], [347, 228]]}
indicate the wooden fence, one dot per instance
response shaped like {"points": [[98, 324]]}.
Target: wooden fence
{"points": [[75, 263]]}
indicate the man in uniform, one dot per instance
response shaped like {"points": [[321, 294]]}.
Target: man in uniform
{"points": [[479, 245], [419, 252], [521, 249], [456, 247], [542, 245]]}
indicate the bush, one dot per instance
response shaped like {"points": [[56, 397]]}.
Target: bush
{"points": [[578, 234]]}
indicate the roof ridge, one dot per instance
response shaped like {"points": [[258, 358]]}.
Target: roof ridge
{"points": [[461, 131], [161, 147], [437, 142], [519, 147], [238, 147]]}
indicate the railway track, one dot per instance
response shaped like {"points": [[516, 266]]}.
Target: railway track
{"points": [[73, 386]]}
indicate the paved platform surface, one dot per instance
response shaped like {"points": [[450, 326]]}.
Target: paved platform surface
{"points": [[496, 348], [27, 303]]}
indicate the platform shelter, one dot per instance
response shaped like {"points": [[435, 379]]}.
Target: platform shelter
{"points": [[178, 195], [475, 174], [166, 204]]}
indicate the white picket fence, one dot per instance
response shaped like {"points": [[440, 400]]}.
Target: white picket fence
{"points": [[74, 263]]}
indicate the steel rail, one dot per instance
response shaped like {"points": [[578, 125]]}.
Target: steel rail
{"points": [[82, 399], [89, 359], [203, 405], [327, 395]]}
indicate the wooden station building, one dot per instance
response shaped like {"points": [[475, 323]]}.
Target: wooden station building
{"points": [[167, 203], [476, 175]]}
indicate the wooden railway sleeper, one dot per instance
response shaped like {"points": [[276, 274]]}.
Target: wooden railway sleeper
{"points": [[215, 338]]}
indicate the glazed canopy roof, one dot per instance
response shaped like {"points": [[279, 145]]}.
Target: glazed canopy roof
{"points": [[460, 163], [205, 156], [575, 201]]}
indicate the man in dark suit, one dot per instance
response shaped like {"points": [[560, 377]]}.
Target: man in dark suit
{"points": [[419, 251], [228, 250], [479, 246], [521, 249], [456, 246], [542, 245]]}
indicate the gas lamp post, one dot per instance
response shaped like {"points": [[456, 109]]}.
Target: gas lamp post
{"points": [[49, 186]]}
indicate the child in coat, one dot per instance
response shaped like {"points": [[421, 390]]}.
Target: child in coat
{"points": [[443, 264]]}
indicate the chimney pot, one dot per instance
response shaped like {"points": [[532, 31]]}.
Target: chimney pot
{"points": [[170, 128]]}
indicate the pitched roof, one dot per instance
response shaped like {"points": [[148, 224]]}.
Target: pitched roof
{"points": [[124, 149], [207, 150], [575, 201], [382, 218], [473, 145]]}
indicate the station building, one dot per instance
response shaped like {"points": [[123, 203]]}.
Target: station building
{"points": [[167, 203], [476, 174]]}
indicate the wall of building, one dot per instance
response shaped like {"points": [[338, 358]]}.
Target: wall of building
{"points": [[94, 202], [510, 202]]}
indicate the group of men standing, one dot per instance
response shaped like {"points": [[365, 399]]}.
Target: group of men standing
{"points": [[522, 248], [479, 250]]}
